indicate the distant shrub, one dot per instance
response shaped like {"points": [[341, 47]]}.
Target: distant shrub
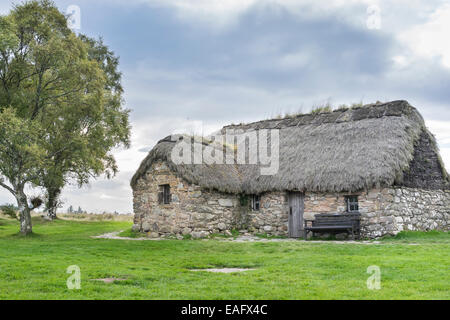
{"points": [[96, 217], [9, 210]]}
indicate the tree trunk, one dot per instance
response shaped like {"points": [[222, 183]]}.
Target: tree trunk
{"points": [[24, 213], [52, 203], [51, 213]]}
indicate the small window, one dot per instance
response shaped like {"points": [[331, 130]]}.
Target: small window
{"points": [[352, 203], [164, 194], [256, 202]]}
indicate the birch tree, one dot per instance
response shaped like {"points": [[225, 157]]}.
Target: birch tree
{"points": [[51, 84]]}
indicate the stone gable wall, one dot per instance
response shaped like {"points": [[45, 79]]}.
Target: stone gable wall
{"points": [[198, 212]]}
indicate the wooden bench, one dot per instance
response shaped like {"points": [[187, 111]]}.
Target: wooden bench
{"points": [[334, 223]]}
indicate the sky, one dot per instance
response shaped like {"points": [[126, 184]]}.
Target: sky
{"points": [[196, 65]]}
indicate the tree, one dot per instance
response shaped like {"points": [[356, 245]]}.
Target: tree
{"points": [[20, 156], [56, 89], [93, 157]]}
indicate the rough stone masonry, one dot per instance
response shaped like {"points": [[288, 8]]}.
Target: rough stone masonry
{"points": [[198, 212]]}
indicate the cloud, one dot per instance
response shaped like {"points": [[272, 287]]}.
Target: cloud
{"points": [[224, 14], [281, 57], [145, 149], [430, 39], [441, 130]]}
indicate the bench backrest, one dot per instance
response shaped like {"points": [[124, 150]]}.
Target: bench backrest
{"points": [[337, 219]]}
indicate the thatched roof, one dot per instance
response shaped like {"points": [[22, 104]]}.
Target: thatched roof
{"points": [[344, 150]]}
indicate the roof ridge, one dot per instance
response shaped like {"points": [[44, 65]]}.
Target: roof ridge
{"points": [[395, 108]]}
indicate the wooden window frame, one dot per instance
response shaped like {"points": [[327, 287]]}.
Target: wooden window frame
{"points": [[352, 203], [164, 195], [256, 202]]}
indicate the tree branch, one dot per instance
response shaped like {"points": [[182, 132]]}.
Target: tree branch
{"points": [[7, 187]]}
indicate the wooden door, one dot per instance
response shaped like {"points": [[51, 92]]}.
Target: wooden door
{"points": [[296, 207]]}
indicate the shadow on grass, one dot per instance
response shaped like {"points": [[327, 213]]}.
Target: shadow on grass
{"points": [[33, 235]]}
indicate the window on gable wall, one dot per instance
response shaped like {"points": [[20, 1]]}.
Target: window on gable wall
{"points": [[256, 202], [164, 194], [352, 203]]}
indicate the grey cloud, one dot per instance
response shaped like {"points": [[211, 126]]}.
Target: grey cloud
{"points": [[145, 150]]}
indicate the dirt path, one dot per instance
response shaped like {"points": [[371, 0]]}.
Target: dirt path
{"points": [[115, 236], [244, 238]]}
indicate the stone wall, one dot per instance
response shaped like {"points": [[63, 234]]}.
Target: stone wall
{"points": [[389, 210], [198, 212], [273, 216], [410, 209]]}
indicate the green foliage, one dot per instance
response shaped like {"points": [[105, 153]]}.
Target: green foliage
{"points": [[187, 237], [288, 115], [129, 233], [357, 105], [322, 109], [9, 210], [7, 37], [243, 200], [21, 154], [235, 232], [343, 107]]}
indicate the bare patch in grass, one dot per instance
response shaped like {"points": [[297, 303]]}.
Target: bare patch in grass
{"points": [[109, 280], [223, 270]]}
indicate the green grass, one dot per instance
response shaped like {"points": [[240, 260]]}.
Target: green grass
{"points": [[420, 237], [128, 233], [35, 267]]}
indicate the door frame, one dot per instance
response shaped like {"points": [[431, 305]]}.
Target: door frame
{"points": [[296, 207]]}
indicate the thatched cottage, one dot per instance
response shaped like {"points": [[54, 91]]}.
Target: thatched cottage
{"points": [[379, 160]]}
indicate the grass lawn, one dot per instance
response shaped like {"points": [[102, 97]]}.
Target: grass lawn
{"points": [[35, 267]]}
